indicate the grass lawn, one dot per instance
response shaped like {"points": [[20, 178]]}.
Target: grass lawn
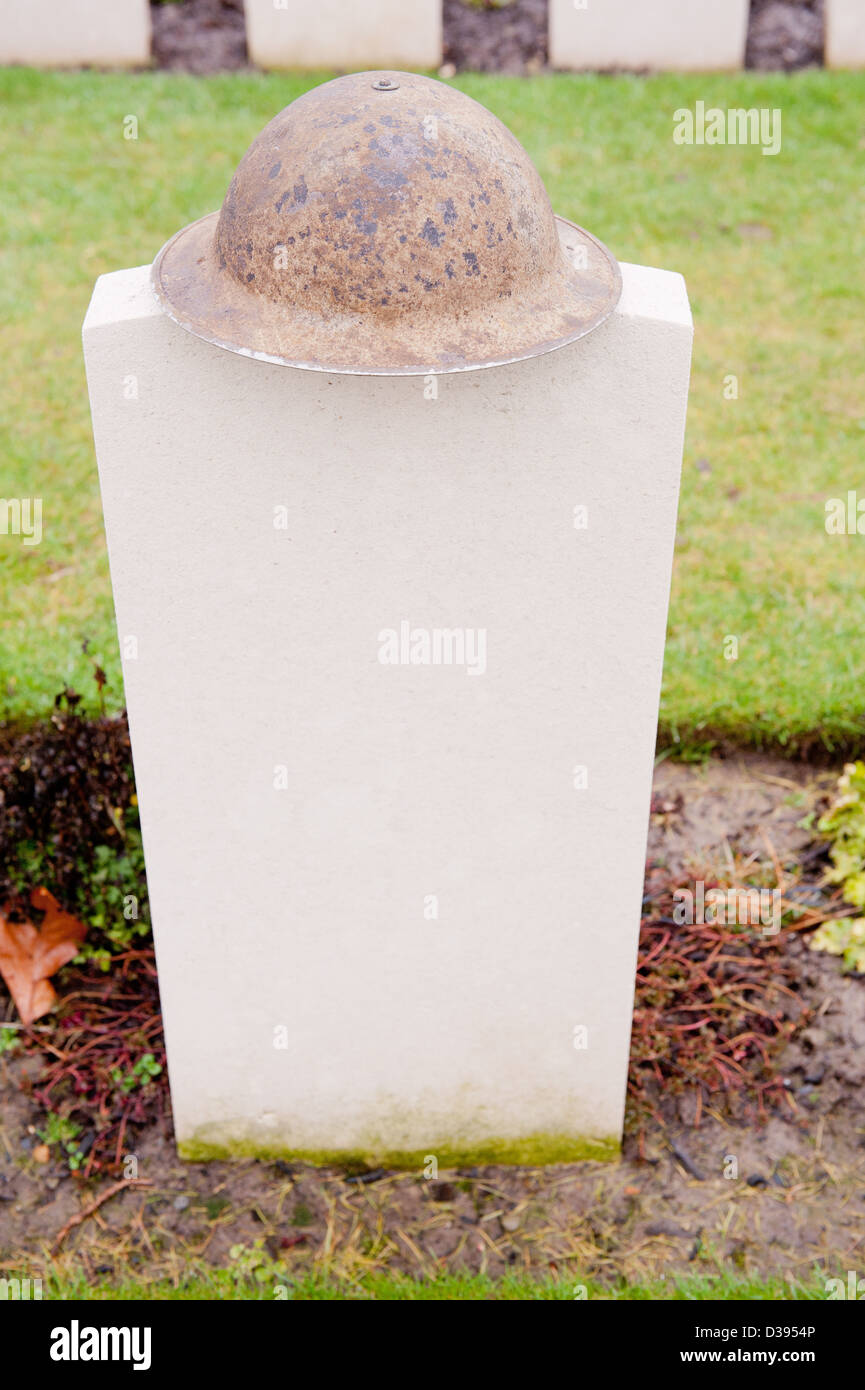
{"points": [[772, 250], [225, 1285]]}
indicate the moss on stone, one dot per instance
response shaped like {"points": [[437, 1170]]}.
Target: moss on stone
{"points": [[533, 1150]]}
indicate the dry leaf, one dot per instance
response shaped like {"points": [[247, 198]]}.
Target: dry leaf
{"points": [[30, 954]]}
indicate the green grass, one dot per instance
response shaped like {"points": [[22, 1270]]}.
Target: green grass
{"points": [[772, 250], [226, 1285]]}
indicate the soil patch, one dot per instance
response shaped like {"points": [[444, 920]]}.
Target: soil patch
{"points": [[511, 38], [747, 804], [199, 36], [785, 34], [783, 1194]]}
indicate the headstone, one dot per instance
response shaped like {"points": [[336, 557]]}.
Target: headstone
{"points": [[845, 33], [75, 33], [392, 654], [344, 34], [674, 35]]}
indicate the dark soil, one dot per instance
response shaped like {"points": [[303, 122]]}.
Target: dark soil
{"points": [[510, 39], [204, 36], [785, 34], [199, 36], [731, 1193]]}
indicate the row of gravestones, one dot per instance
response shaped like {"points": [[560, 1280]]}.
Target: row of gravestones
{"points": [[668, 34]]}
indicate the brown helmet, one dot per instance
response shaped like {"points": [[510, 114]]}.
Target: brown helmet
{"points": [[385, 223]]}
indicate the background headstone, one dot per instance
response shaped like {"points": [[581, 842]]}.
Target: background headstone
{"points": [[344, 34], [845, 33], [75, 33], [674, 35]]}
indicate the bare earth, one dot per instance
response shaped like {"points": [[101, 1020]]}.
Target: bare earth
{"points": [[777, 1197]]}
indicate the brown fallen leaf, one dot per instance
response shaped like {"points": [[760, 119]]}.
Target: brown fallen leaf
{"points": [[30, 954]]}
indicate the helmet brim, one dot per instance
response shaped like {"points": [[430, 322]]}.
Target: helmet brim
{"points": [[200, 294]]}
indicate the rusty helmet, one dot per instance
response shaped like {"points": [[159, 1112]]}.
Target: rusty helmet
{"points": [[387, 224]]}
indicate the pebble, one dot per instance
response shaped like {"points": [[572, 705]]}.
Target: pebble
{"points": [[181, 1203], [815, 1076]]}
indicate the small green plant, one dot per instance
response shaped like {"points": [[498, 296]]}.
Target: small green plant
{"points": [[113, 899], [61, 1132], [844, 825], [145, 1069], [8, 1040], [845, 937], [215, 1206], [255, 1263]]}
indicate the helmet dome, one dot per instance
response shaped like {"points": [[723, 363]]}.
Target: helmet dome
{"points": [[386, 223]]}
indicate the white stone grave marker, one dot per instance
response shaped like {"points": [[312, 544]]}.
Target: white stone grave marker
{"points": [[674, 35], [344, 33], [398, 651], [845, 33], [75, 33]]}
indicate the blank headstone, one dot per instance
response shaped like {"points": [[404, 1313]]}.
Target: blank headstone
{"points": [[344, 34], [75, 33], [845, 33], [674, 35]]}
